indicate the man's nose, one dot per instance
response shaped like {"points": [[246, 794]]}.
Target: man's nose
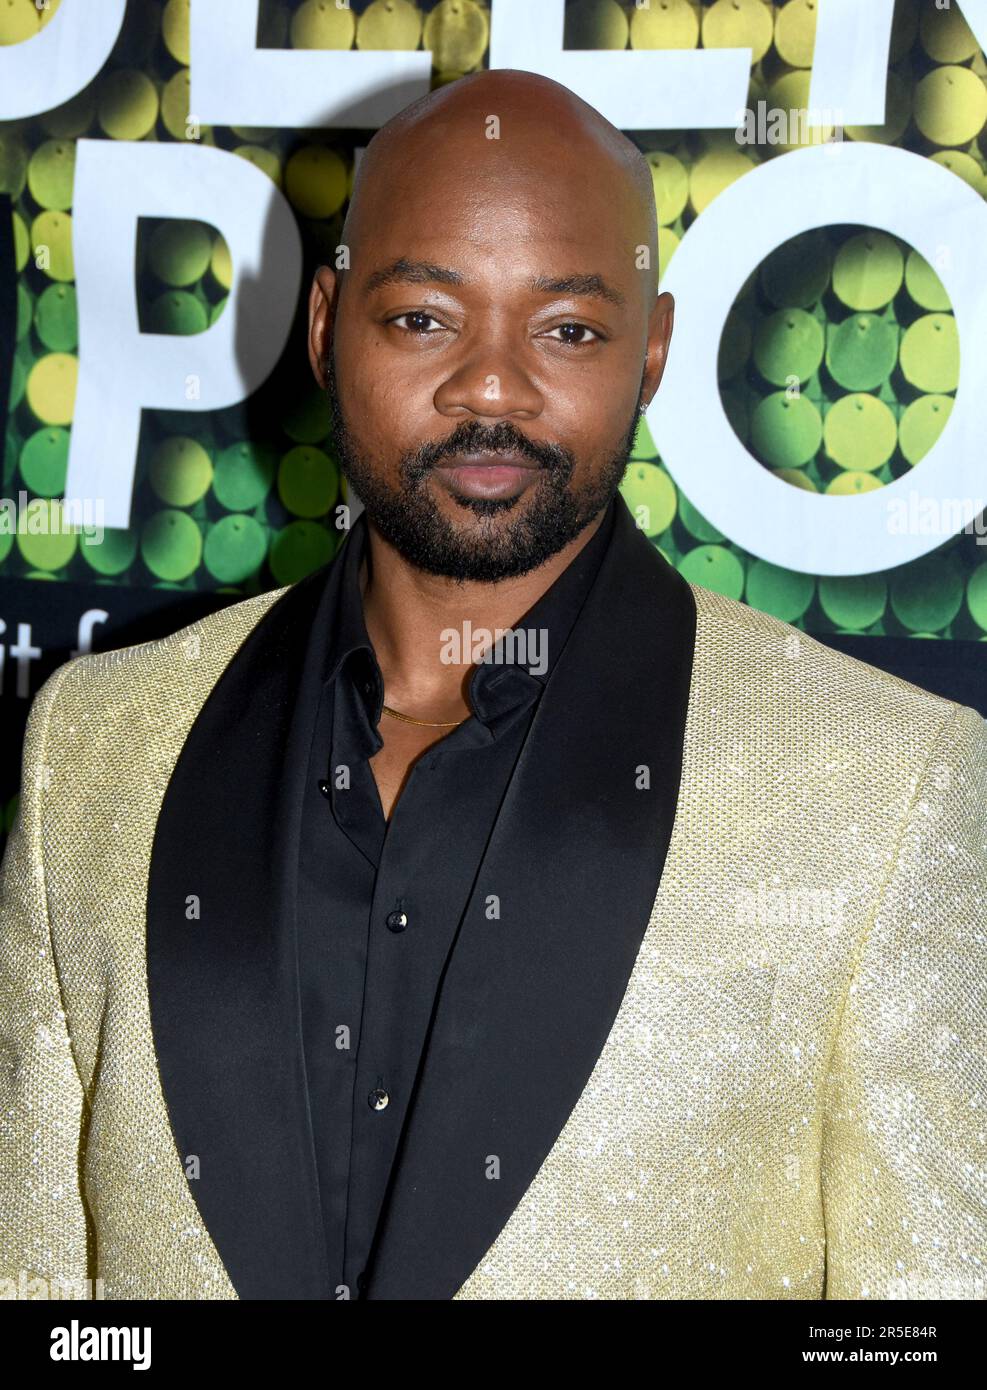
{"points": [[490, 381]]}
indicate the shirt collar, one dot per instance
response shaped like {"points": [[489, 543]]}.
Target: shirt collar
{"points": [[530, 650], [347, 630], [517, 664]]}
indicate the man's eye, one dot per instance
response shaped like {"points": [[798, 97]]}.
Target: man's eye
{"points": [[417, 322], [573, 334]]}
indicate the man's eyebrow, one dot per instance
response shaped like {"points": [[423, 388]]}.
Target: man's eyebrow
{"points": [[403, 271], [592, 286]]}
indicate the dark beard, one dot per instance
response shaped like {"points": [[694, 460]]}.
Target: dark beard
{"points": [[409, 519]]}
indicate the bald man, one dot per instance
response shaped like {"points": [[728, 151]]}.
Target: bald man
{"points": [[493, 914]]}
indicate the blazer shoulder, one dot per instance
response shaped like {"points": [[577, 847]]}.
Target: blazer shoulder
{"points": [[192, 657], [809, 684]]}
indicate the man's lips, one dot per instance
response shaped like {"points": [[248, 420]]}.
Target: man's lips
{"points": [[487, 474], [488, 459]]}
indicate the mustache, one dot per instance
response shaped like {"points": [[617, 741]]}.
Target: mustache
{"points": [[471, 437]]}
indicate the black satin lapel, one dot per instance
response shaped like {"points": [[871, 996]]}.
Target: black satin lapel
{"points": [[223, 989], [575, 860]]}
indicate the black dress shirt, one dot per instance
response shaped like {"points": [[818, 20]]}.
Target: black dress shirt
{"points": [[380, 902]]}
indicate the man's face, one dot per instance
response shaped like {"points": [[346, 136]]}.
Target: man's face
{"points": [[486, 363]]}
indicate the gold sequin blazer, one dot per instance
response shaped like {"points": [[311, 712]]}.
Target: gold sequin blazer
{"points": [[740, 955]]}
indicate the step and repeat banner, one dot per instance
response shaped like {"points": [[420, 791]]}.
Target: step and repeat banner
{"points": [[172, 173]]}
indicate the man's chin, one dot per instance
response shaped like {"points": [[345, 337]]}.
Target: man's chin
{"points": [[478, 540], [481, 539]]}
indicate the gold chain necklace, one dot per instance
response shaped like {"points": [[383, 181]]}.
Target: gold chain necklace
{"points": [[425, 723]]}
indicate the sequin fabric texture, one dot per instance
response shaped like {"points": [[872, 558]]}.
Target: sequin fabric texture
{"points": [[791, 1101]]}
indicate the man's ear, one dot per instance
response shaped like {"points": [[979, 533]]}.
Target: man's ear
{"points": [[321, 311], [660, 324]]}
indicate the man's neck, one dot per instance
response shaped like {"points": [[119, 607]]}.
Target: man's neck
{"points": [[407, 611]]}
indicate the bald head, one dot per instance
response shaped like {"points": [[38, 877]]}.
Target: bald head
{"points": [[507, 135]]}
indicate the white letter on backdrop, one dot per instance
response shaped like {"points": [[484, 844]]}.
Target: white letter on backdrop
{"points": [[674, 89], [236, 83], [851, 183], [61, 59], [854, 91], [121, 369]]}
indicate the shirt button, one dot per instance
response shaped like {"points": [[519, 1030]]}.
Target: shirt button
{"points": [[378, 1098], [324, 787], [396, 921], [361, 1281]]}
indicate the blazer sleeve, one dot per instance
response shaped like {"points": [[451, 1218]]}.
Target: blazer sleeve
{"points": [[904, 1153], [43, 1229]]}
